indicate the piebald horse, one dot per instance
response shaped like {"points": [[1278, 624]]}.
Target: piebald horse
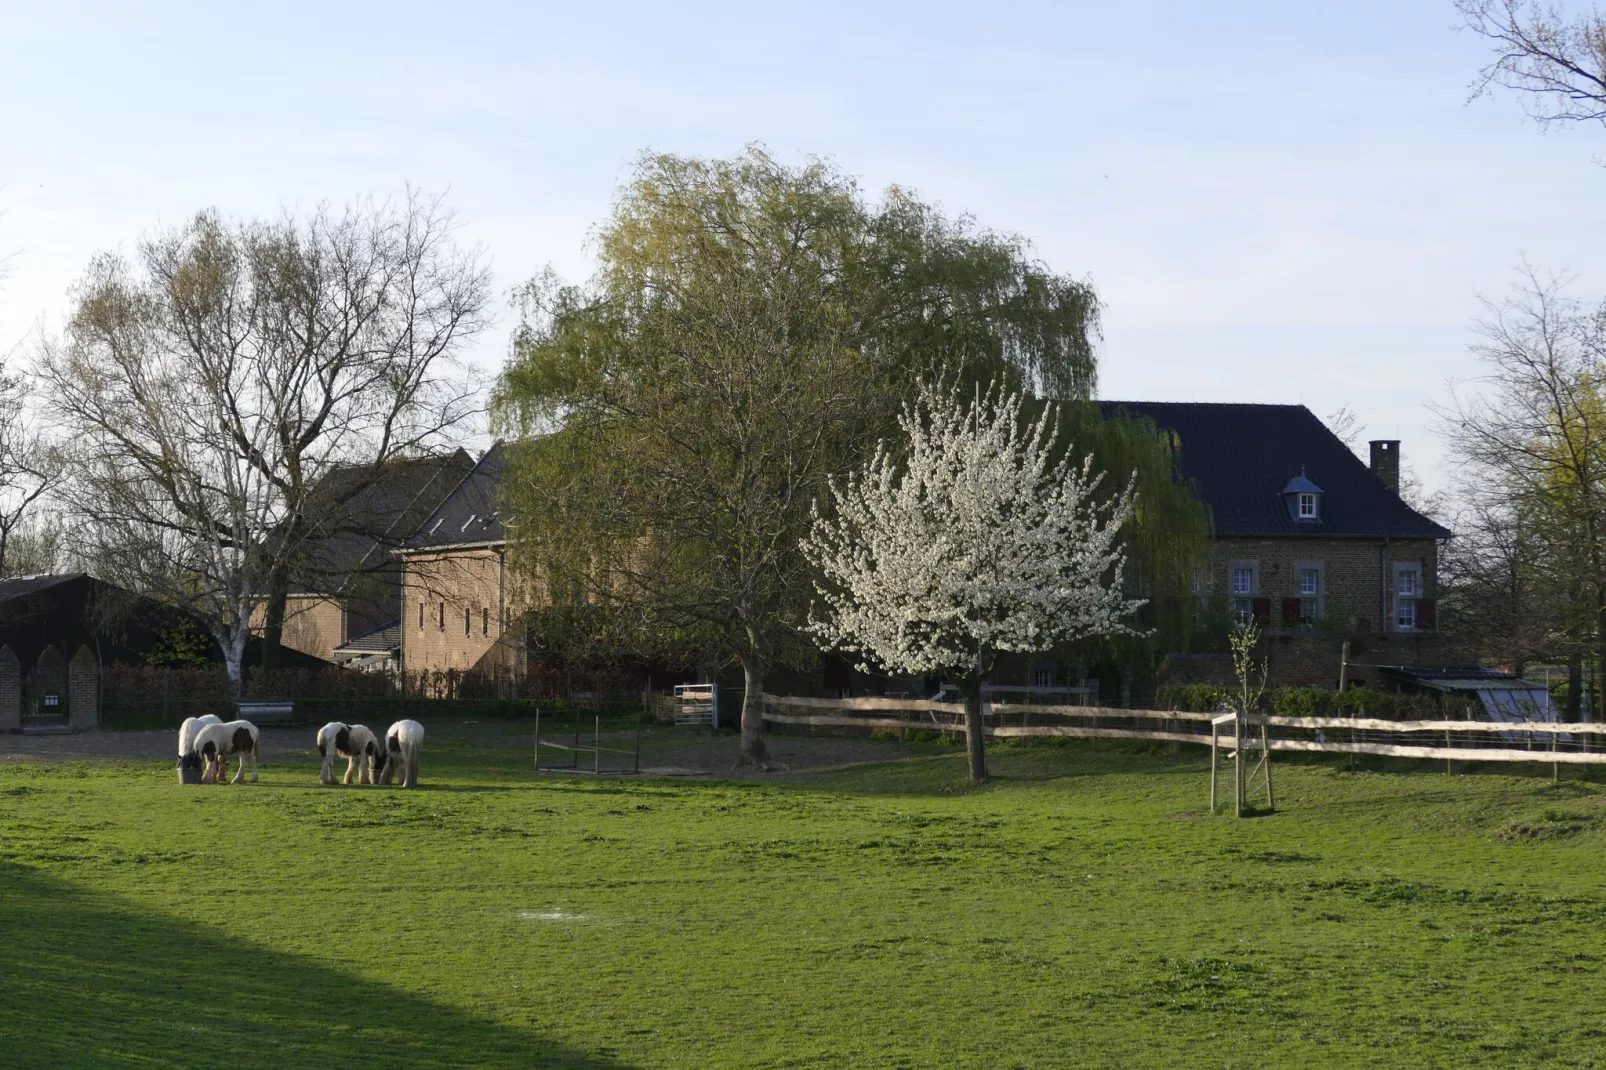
{"points": [[403, 740], [215, 742], [356, 744]]}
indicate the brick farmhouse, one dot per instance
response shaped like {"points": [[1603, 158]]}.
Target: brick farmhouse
{"points": [[1318, 546]]}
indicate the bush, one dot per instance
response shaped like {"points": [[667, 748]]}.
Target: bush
{"points": [[1194, 698], [1302, 701]]}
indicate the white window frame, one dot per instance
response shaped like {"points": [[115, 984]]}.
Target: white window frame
{"points": [[1315, 601], [1406, 618], [1242, 603], [1308, 498]]}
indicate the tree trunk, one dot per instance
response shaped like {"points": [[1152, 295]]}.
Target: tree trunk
{"points": [[273, 621], [233, 661], [975, 740], [753, 750]]}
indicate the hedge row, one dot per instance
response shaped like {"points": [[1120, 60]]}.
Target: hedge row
{"points": [[1320, 702]]}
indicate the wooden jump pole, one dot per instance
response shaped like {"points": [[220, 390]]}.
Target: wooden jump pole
{"points": [[1215, 734]]}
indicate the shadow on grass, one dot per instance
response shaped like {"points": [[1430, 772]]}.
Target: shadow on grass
{"points": [[96, 981]]}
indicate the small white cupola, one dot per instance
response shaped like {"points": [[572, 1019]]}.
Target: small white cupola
{"points": [[1304, 500]]}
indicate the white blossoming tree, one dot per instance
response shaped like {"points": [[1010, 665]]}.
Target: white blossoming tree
{"points": [[970, 541]]}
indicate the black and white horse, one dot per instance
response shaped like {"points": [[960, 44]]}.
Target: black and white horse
{"points": [[188, 759], [215, 742], [403, 741], [356, 744]]}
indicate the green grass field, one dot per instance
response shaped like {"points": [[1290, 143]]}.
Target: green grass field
{"points": [[1080, 911]]}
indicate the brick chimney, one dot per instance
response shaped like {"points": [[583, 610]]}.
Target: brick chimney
{"points": [[1386, 462]]}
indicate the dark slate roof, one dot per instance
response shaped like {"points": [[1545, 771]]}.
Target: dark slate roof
{"points": [[18, 586], [472, 513], [1242, 456], [377, 515], [382, 640]]}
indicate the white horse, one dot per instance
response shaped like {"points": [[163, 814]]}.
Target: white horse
{"points": [[403, 740], [215, 742], [187, 758], [356, 744]]}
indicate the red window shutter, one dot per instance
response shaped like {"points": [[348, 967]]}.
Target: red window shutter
{"points": [[1262, 609], [1291, 607], [1425, 615]]}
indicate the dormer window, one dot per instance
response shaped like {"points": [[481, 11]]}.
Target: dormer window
{"points": [[1304, 500]]}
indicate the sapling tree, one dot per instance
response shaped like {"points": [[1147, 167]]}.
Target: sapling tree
{"points": [[1250, 674], [972, 537]]}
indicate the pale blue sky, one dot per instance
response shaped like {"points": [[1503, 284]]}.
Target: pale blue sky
{"points": [[1277, 202]]}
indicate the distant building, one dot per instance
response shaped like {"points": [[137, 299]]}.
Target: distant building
{"points": [[462, 605], [58, 631], [1306, 538], [346, 596]]}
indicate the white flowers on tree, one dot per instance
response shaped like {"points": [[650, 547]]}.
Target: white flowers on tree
{"points": [[973, 540]]}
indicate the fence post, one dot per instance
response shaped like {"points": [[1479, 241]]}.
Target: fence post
{"points": [[1265, 760], [596, 745], [538, 739], [1214, 737], [1238, 764]]}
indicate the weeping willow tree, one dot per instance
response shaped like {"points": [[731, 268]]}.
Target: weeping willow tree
{"points": [[1166, 540], [751, 332]]}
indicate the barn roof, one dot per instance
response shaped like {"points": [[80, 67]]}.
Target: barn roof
{"points": [[1242, 457], [472, 514]]}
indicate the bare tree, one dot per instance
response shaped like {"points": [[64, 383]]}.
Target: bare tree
{"points": [[213, 386], [1534, 446], [1558, 63], [31, 464]]}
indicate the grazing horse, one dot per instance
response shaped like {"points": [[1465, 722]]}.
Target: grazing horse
{"points": [[403, 741], [187, 757], [356, 744], [215, 742]]}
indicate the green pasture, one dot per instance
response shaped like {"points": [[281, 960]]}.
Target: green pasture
{"points": [[1080, 911]]}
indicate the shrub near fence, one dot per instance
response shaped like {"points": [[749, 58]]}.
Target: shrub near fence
{"points": [[1320, 702]]}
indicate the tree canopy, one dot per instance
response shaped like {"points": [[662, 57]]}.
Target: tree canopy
{"points": [[750, 332], [966, 538]]}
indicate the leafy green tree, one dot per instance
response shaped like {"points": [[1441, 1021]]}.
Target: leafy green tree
{"points": [[751, 331]]}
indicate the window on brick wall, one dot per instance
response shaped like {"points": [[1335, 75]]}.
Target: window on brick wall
{"points": [[1407, 590], [420, 616], [468, 622], [485, 621], [1243, 583], [443, 616], [1308, 585]]}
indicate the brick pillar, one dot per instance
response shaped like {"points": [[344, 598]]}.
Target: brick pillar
{"points": [[10, 690], [83, 689]]}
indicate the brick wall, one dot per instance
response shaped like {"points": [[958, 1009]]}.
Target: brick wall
{"points": [[10, 690], [313, 624], [1357, 575], [456, 609], [83, 689]]}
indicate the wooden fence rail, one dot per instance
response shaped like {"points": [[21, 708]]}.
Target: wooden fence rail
{"points": [[1482, 741]]}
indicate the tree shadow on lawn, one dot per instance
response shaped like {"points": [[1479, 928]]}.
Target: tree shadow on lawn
{"points": [[94, 980]]}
